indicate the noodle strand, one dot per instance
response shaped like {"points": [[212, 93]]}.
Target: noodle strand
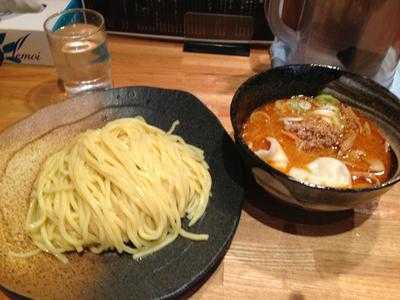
{"points": [[123, 187]]}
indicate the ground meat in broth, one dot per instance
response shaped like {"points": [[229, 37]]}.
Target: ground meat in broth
{"points": [[315, 133], [351, 120]]}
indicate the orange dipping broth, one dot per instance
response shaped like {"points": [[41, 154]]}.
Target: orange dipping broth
{"points": [[266, 122]]}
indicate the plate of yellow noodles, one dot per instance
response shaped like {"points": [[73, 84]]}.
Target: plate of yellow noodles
{"points": [[132, 193]]}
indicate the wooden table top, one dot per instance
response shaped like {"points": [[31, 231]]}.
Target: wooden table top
{"points": [[277, 252]]}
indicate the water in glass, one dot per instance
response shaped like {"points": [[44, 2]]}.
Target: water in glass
{"points": [[81, 57]]}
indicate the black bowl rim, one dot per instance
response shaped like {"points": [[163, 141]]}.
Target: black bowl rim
{"points": [[238, 139]]}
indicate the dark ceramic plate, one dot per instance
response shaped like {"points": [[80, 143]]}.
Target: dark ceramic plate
{"points": [[167, 273], [363, 94]]}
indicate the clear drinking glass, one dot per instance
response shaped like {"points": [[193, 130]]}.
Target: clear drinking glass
{"points": [[79, 48]]}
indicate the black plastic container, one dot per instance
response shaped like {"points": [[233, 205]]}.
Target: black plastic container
{"points": [[168, 18]]}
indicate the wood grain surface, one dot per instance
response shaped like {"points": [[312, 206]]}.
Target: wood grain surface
{"points": [[278, 252]]}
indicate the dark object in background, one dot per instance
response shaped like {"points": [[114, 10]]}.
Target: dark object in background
{"points": [[217, 48], [359, 60], [218, 33], [166, 19]]}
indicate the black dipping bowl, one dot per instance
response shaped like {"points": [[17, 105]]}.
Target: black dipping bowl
{"points": [[365, 95]]}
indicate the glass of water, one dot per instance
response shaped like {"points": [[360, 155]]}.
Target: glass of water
{"points": [[79, 48]]}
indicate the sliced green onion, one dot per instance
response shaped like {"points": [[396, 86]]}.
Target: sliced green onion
{"points": [[299, 105], [324, 99]]}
